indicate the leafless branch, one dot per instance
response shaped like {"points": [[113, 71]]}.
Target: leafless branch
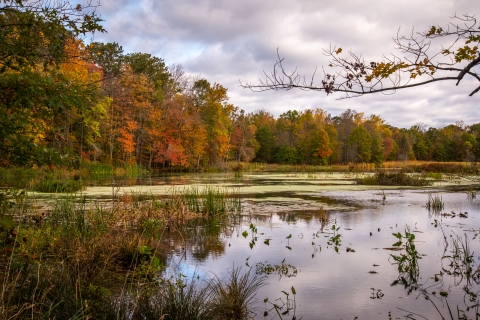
{"points": [[416, 66]]}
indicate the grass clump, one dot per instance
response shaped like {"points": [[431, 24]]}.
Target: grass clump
{"points": [[438, 167], [231, 297], [208, 201], [435, 203], [394, 179], [58, 186]]}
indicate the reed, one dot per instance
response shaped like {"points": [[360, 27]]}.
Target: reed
{"points": [[434, 203], [394, 179]]}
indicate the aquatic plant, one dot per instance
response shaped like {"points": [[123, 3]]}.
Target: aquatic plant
{"points": [[211, 201], [407, 263], [282, 270], [394, 179], [384, 196], [461, 263], [335, 238], [280, 305], [434, 203], [376, 294]]}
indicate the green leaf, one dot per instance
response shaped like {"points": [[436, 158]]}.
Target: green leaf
{"points": [[245, 234], [397, 244], [397, 235], [146, 250]]}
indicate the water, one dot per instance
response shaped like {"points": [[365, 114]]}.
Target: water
{"points": [[285, 210]]}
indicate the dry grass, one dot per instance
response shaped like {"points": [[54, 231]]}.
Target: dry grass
{"points": [[79, 260]]}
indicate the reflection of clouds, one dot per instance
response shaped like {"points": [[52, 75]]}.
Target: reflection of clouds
{"points": [[337, 286]]}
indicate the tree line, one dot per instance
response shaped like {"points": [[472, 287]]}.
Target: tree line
{"points": [[65, 102]]}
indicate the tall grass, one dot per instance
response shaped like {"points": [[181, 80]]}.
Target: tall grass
{"points": [[394, 179], [78, 259], [41, 180], [231, 297], [209, 201], [434, 203]]}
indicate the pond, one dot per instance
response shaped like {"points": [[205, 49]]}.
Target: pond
{"points": [[342, 268]]}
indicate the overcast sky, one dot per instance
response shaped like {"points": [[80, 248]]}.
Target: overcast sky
{"points": [[227, 41]]}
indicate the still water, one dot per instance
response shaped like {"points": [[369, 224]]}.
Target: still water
{"points": [[339, 270]]}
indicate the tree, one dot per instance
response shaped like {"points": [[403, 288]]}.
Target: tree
{"points": [[35, 32], [36, 84], [265, 136], [324, 150], [108, 56], [419, 65], [361, 142]]}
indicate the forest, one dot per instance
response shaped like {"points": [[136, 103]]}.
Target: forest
{"points": [[67, 102]]}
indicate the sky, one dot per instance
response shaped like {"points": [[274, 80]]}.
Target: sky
{"points": [[231, 42]]}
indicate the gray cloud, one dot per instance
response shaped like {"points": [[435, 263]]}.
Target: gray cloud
{"points": [[227, 41]]}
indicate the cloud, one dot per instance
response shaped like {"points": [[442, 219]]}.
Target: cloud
{"points": [[227, 41]]}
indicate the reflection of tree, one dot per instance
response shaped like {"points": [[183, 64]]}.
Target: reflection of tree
{"points": [[202, 248], [287, 216], [200, 237]]}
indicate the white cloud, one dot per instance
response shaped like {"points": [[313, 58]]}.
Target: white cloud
{"points": [[227, 41]]}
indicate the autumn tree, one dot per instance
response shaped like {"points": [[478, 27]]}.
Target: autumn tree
{"points": [[345, 124], [265, 135], [244, 142], [108, 57], [422, 58], [34, 38], [361, 143], [215, 111]]}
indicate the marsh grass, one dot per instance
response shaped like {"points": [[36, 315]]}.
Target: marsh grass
{"points": [[209, 201], [78, 259], [394, 179], [58, 186], [461, 261], [41, 180], [435, 203]]}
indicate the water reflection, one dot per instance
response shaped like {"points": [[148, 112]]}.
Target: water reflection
{"points": [[336, 278]]}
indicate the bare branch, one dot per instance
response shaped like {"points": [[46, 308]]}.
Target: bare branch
{"points": [[417, 65]]}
